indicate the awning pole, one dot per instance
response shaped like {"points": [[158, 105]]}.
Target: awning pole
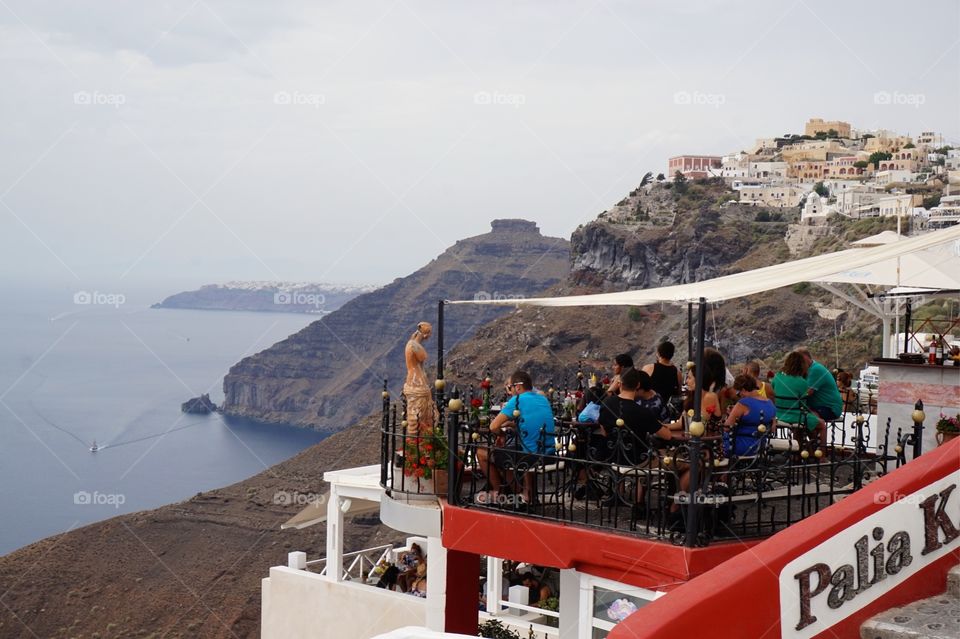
{"points": [[440, 339], [906, 326], [698, 359], [689, 331], [693, 507], [886, 336]]}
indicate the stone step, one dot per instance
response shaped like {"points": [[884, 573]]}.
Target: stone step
{"points": [[933, 618], [953, 581]]}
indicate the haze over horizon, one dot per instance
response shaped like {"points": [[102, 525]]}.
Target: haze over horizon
{"points": [[190, 142]]}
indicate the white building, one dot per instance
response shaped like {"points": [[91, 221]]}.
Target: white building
{"points": [[768, 170], [857, 202], [895, 205], [882, 178], [947, 213], [815, 206], [773, 195]]}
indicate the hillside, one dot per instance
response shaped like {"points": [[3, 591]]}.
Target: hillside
{"points": [[658, 237], [326, 375], [190, 569]]}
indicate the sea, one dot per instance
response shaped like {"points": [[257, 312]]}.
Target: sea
{"points": [[78, 366]]}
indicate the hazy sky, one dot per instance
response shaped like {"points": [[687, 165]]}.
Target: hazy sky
{"points": [[198, 141]]}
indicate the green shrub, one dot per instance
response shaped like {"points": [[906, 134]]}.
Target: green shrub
{"points": [[493, 629]]}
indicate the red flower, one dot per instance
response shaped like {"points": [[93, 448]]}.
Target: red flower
{"points": [[605, 380], [476, 402], [428, 447], [485, 384], [770, 374], [419, 472], [711, 410], [578, 394], [423, 460]]}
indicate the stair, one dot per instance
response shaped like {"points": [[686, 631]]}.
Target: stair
{"points": [[934, 618]]}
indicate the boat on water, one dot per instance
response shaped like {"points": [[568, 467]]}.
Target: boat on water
{"points": [[94, 448]]}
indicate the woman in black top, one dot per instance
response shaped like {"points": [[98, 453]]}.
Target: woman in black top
{"points": [[664, 376]]}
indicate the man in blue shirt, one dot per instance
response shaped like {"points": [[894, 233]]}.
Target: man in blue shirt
{"points": [[524, 430]]}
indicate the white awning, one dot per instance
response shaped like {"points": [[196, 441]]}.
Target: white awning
{"points": [[930, 260], [316, 512]]}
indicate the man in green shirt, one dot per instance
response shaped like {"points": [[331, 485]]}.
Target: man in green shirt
{"points": [[825, 399]]}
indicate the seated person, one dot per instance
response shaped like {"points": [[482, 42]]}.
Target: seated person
{"points": [[746, 415], [825, 400], [408, 566], [847, 394], [621, 364], [792, 389], [389, 578], [709, 400], [626, 443], [591, 405], [539, 591], [651, 399], [664, 376], [418, 588], [531, 434], [764, 388]]}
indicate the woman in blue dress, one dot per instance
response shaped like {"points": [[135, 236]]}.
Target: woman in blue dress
{"points": [[745, 417]]}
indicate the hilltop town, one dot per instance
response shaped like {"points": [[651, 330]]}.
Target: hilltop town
{"points": [[834, 169]]}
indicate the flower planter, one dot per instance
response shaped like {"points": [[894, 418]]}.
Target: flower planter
{"points": [[944, 437], [440, 479]]}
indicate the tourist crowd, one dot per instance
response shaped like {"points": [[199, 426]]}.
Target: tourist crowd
{"points": [[655, 403]]}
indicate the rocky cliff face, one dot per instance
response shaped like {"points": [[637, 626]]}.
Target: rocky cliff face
{"points": [[658, 237], [327, 375]]}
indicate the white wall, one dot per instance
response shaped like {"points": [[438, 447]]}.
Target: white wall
{"points": [[301, 604]]}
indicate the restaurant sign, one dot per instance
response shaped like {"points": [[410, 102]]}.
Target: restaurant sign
{"points": [[861, 563]]}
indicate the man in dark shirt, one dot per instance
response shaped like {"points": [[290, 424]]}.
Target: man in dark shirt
{"points": [[625, 425]]}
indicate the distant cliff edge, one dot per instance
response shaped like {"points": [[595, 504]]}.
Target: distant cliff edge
{"points": [[328, 374], [274, 297]]}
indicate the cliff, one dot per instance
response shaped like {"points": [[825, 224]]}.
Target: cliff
{"points": [[657, 236], [273, 297], [328, 374]]}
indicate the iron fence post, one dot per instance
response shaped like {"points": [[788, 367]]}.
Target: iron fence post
{"points": [[453, 429], [918, 417]]}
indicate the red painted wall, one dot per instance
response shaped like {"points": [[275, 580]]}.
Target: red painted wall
{"points": [[741, 597], [627, 559]]}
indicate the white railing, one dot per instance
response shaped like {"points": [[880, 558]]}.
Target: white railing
{"points": [[367, 558]]}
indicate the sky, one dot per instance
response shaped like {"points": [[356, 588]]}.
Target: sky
{"points": [[180, 143]]}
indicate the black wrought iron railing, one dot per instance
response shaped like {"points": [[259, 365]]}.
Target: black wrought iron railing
{"points": [[686, 490]]}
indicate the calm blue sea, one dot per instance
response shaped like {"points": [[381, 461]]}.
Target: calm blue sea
{"points": [[116, 373]]}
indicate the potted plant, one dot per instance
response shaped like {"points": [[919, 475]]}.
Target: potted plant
{"points": [[494, 629], [947, 428], [426, 458], [552, 604]]}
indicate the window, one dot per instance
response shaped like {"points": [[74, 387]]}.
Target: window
{"points": [[605, 603]]}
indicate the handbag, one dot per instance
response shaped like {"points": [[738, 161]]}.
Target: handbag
{"points": [[590, 413]]}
